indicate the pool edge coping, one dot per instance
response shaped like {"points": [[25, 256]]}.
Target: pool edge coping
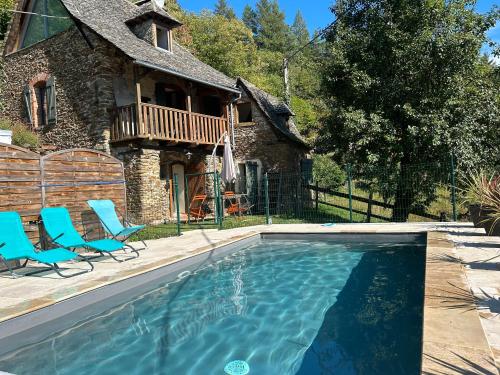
{"points": [[452, 330]]}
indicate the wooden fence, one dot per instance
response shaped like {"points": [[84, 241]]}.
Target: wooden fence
{"points": [[20, 181], [29, 182], [370, 202]]}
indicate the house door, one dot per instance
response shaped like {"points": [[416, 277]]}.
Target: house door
{"points": [[178, 170]]}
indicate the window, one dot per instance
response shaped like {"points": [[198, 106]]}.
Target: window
{"points": [[162, 38], [245, 112], [40, 101], [38, 28]]}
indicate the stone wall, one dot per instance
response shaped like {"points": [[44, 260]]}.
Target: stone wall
{"points": [[259, 141], [147, 194], [145, 31], [148, 172], [84, 88]]}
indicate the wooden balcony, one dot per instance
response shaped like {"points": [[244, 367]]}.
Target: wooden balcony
{"points": [[155, 122]]}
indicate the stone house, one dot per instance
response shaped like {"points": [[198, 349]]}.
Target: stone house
{"points": [[109, 75], [266, 136]]}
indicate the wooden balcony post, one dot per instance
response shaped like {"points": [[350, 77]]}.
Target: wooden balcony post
{"points": [[225, 121], [190, 117], [138, 108]]}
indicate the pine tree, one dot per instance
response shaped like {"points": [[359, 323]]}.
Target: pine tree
{"points": [[223, 9], [250, 18], [299, 30], [272, 32]]}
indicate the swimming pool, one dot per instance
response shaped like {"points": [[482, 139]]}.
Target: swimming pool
{"points": [[285, 306]]}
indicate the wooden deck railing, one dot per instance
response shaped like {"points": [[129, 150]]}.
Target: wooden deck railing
{"points": [[162, 123]]}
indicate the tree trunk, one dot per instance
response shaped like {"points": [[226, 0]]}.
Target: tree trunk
{"points": [[404, 197]]}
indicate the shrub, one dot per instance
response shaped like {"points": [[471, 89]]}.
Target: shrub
{"points": [[327, 173], [21, 135]]}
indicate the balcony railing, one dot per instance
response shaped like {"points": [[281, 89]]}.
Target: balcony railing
{"points": [[155, 122]]}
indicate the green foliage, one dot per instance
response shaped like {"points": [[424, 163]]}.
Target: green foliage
{"points": [[327, 173], [173, 8], [406, 85], [226, 44], [306, 116], [224, 10], [21, 135], [401, 77], [5, 15]]}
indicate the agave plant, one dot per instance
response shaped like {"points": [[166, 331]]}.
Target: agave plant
{"points": [[491, 203], [480, 192], [474, 187]]}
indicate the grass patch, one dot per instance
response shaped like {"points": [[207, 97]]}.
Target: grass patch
{"points": [[21, 135]]}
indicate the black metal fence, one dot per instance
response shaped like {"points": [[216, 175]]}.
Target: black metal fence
{"points": [[417, 193]]}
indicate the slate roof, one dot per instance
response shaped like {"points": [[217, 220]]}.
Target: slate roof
{"points": [[275, 110], [108, 19]]}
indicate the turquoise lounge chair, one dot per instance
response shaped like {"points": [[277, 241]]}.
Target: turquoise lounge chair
{"points": [[106, 212], [15, 245], [58, 225]]}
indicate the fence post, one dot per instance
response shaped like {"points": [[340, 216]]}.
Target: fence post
{"points": [[349, 184], [317, 197], [278, 198], [266, 194], [453, 187], [218, 204], [369, 210], [177, 208]]}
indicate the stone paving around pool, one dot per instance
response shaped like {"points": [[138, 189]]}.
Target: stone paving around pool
{"points": [[461, 310]]}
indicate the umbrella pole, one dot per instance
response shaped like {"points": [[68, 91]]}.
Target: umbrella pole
{"points": [[215, 149], [216, 185]]}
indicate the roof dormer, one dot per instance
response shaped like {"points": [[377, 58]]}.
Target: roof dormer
{"points": [[153, 24]]}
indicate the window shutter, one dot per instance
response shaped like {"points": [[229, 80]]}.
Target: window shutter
{"points": [[28, 104], [51, 100]]}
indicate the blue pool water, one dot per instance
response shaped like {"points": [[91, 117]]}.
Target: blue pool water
{"points": [[284, 307]]}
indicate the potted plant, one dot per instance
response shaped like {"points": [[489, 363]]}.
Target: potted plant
{"points": [[472, 195], [490, 211]]}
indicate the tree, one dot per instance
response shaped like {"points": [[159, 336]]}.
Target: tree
{"points": [[223, 9], [272, 31], [299, 30], [5, 15], [400, 77], [250, 18], [226, 44], [174, 9]]}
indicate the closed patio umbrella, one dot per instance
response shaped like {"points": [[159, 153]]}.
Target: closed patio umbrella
{"points": [[228, 174]]}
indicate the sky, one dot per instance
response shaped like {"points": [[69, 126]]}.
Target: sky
{"points": [[315, 12]]}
